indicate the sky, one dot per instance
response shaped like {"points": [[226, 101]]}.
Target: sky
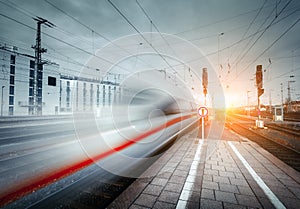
{"points": [[228, 37]]}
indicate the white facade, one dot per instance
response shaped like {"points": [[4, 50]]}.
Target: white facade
{"points": [[83, 94], [16, 80], [61, 94]]}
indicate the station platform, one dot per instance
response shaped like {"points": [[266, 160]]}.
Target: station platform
{"points": [[232, 172]]}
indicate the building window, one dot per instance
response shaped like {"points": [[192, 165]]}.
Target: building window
{"points": [[39, 101], [40, 67], [52, 81], [13, 59], [31, 82], [11, 110], [30, 101], [109, 95], [30, 110], [40, 83], [39, 92], [11, 100], [60, 92], [40, 75], [11, 90], [98, 95], [12, 79], [84, 95], [12, 69], [30, 91], [68, 94], [31, 73], [31, 63], [77, 89], [103, 98], [91, 96]]}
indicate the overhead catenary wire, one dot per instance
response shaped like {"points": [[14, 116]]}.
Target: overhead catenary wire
{"points": [[263, 32], [64, 42], [272, 44], [143, 37], [250, 25], [239, 41], [92, 30], [211, 53], [154, 25], [219, 21], [242, 52], [31, 15]]}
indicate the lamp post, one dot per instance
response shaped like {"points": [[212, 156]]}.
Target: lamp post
{"points": [[289, 95], [2, 100], [270, 100], [248, 102], [220, 34]]}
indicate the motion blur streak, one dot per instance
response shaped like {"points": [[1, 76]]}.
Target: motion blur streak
{"points": [[42, 181]]}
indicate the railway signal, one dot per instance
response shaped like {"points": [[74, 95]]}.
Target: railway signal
{"points": [[260, 91], [204, 81], [259, 76], [259, 80]]}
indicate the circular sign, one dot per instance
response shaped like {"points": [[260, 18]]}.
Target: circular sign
{"points": [[203, 111]]}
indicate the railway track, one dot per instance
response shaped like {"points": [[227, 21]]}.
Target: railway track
{"points": [[95, 190], [284, 153], [284, 129], [292, 130]]}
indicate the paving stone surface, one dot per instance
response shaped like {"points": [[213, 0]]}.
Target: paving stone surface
{"points": [[218, 180]]}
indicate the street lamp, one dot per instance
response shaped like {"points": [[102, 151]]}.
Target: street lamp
{"points": [[248, 104], [221, 34], [2, 100], [289, 95], [270, 100]]}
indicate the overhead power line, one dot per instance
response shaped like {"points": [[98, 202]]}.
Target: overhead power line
{"points": [[269, 25], [275, 41], [237, 42], [135, 28], [66, 43], [92, 30], [251, 23], [217, 22], [154, 25]]}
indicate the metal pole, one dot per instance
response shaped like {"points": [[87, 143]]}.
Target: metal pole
{"points": [[38, 72], [221, 34], [270, 100], [289, 96], [248, 103], [202, 118], [258, 106], [2, 101], [281, 100], [281, 94]]}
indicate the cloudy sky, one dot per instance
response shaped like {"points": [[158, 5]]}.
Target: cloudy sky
{"points": [[232, 35]]}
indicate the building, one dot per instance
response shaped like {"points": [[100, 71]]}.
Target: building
{"points": [[86, 94], [56, 93], [17, 82]]}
